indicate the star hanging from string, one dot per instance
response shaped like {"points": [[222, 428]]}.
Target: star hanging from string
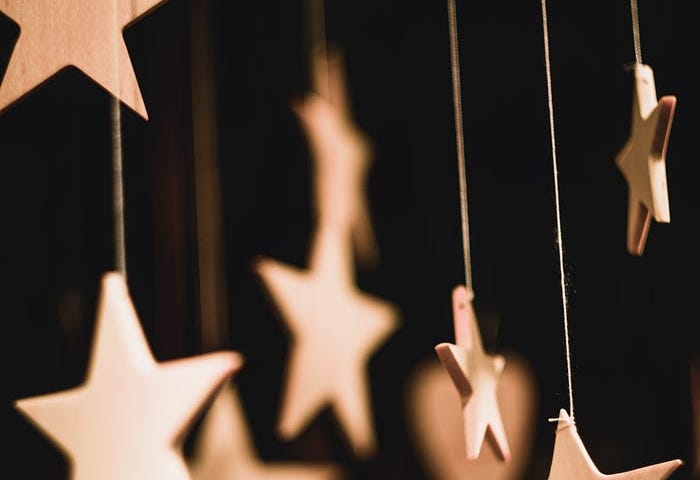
{"points": [[572, 462], [475, 374], [335, 330], [341, 156], [129, 417], [87, 34], [224, 451], [642, 160]]}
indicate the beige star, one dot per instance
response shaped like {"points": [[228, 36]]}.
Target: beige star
{"points": [[342, 156], [335, 330], [571, 461], [224, 450], [86, 34], [127, 420], [642, 160], [475, 374]]}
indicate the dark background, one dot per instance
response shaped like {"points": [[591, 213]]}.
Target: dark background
{"points": [[633, 320]]}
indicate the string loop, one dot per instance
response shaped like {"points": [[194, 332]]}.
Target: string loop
{"points": [[635, 32]]}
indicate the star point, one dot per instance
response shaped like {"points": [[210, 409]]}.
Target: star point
{"points": [[225, 451], [85, 34], [475, 374], [571, 461], [642, 161], [129, 417]]}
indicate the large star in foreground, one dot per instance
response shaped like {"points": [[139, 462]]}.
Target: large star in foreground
{"points": [[642, 160], [128, 419], [224, 450], [475, 374], [571, 461], [335, 330], [86, 34]]}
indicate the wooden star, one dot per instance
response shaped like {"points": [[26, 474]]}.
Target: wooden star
{"points": [[335, 330], [128, 419], [475, 374], [224, 451], [86, 34], [341, 154], [572, 462], [642, 160]]}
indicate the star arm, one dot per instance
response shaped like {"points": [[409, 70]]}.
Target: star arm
{"points": [[664, 113], [352, 405], [131, 10], [453, 358], [660, 471]]}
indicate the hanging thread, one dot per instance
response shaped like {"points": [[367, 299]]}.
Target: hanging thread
{"points": [[118, 189], [317, 46], [555, 170], [459, 134], [635, 32]]}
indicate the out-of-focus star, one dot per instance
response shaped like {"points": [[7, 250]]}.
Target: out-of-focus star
{"points": [[128, 419], [642, 160], [224, 450], [475, 374], [341, 153], [572, 462], [335, 330], [87, 34]]}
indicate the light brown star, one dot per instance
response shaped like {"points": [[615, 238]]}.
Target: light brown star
{"points": [[475, 374], [335, 330], [87, 34], [224, 450], [341, 154], [572, 462], [642, 160], [127, 420]]}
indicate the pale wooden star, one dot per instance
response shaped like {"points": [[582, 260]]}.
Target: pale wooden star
{"points": [[127, 420], [642, 160], [86, 34], [572, 462], [335, 330], [342, 156], [224, 451], [475, 374]]}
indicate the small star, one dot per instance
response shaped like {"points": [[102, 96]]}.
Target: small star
{"points": [[86, 34], [572, 462], [335, 330], [128, 419], [475, 374], [224, 450], [642, 160]]}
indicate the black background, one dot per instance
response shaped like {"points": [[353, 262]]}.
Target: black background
{"points": [[632, 319]]}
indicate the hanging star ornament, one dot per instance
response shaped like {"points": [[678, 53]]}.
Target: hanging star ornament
{"points": [[224, 450], [335, 330], [476, 375], [642, 160], [342, 155], [86, 34], [572, 462], [128, 419]]}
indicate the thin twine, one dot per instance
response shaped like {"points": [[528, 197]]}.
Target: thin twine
{"points": [[117, 168], [118, 189], [459, 134], [635, 31], [555, 169], [317, 42]]}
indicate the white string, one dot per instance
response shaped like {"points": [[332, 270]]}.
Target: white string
{"points": [[459, 133], [555, 169], [635, 31], [118, 189], [117, 166]]}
